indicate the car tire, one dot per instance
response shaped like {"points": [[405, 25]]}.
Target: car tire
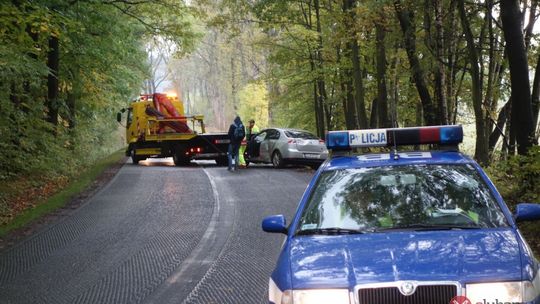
{"points": [[134, 158], [277, 159], [180, 160], [222, 161]]}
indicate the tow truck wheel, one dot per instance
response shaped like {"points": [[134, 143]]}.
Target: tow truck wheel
{"points": [[222, 161], [180, 160], [134, 158]]}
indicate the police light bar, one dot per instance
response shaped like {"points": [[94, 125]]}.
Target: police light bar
{"points": [[443, 135]]}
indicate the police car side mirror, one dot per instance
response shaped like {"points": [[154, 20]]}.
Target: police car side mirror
{"points": [[527, 212], [275, 224]]}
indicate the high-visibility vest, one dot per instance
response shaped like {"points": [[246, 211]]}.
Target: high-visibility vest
{"points": [[253, 130]]}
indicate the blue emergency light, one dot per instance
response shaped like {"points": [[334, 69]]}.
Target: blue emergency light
{"points": [[442, 135]]}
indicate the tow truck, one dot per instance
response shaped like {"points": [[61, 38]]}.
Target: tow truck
{"points": [[156, 127]]}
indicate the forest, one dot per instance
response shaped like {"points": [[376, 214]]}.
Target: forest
{"points": [[67, 67]]}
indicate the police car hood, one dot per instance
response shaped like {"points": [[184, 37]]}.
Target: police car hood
{"points": [[456, 255]]}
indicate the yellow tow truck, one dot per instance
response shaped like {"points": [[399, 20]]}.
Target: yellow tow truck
{"points": [[156, 126]]}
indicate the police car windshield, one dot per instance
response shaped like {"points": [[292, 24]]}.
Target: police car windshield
{"points": [[408, 197]]}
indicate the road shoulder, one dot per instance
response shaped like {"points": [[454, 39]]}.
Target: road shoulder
{"points": [[17, 235]]}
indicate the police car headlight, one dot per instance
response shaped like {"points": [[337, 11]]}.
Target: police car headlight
{"points": [[316, 296], [502, 292]]}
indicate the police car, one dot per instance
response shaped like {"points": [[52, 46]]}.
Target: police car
{"points": [[403, 227]]}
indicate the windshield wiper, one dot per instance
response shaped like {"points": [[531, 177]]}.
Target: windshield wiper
{"points": [[329, 231], [427, 227]]}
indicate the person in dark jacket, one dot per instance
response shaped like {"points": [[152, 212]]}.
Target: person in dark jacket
{"points": [[236, 135]]}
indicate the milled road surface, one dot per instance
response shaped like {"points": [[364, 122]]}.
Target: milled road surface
{"points": [[159, 234]]}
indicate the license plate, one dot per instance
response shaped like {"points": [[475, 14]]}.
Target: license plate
{"points": [[311, 155], [222, 141]]}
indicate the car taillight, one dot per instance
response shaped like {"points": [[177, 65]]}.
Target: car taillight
{"points": [[195, 150], [321, 141], [291, 141]]}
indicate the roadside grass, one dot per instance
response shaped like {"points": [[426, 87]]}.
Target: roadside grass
{"points": [[518, 180], [62, 197]]}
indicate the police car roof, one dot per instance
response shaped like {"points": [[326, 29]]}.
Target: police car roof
{"points": [[405, 158]]}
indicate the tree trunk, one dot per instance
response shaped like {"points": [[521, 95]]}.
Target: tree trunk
{"points": [[511, 148], [234, 89], [490, 103], [358, 81], [321, 86], [328, 116], [382, 92], [440, 74], [450, 39], [358, 86], [535, 98], [322, 102], [53, 61], [406, 21], [351, 106], [522, 118], [530, 24], [347, 94], [394, 88], [419, 114], [481, 151], [499, 126], [318, 121], [374, 115]]}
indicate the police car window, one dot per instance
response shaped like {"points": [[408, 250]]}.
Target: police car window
{"points": [[401, 196]]}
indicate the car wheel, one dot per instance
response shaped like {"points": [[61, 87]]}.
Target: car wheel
{"points": [[277, 160], [134, 158], [222, 161], [180, 160]]}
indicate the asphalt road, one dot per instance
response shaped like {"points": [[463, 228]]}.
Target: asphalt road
{"points": [[159, 234]]}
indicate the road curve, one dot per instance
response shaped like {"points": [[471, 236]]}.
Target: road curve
{"points": [[158, 234]]}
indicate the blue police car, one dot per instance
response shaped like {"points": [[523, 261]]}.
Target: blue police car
{"points": [[403, 227]]}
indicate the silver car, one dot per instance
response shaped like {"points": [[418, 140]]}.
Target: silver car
{"points": [[286, 146]]}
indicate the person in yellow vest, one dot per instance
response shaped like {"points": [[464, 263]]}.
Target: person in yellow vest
{"points": [[241, 159], [251, 130]]}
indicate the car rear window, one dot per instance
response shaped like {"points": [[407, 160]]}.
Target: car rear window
{"points": [[300, 134], [401, 196]]}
